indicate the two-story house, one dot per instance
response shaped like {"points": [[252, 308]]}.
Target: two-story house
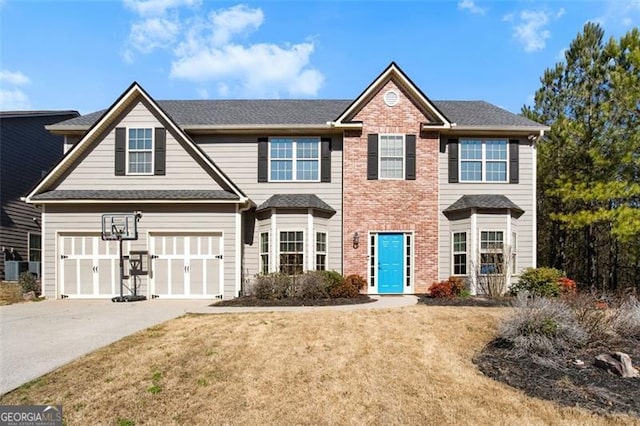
{"points": [[395, 187], [27, 152]]}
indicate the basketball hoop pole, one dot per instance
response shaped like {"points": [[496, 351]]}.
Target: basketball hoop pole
{"points": [[121, 268]]}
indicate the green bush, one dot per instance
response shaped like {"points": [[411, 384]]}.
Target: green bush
{"points": [[27, 281], [542, 282], [332, 279]]}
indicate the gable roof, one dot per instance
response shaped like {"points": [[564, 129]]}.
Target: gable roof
{"points": [[133, 93], [392, 72]]}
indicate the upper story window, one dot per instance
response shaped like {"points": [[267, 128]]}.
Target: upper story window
{"points": [[140, 151], [391, 156], [294, 159], [483, 160]]}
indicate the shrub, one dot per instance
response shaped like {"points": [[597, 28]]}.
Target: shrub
{"points": [[441, 290], [28, 283], [273, 286], [567, 285], [332, 279], [311, 285], [627, 321], [350, 287], [542, 282], [453, 287], [542, 327]]}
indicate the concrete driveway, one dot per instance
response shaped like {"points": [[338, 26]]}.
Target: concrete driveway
{"points": [[36, 338]]}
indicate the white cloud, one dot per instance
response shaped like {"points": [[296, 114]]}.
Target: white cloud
{"points": [[150, 34], [155, 8], [530, 30], [259, 70], [14, 78], [13, 99], [210, 50], [471, 7], [11, 96], [560, 13]]}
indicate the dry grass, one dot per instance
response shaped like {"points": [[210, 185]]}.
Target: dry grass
{"points": [[405, 366], [10, 292]]}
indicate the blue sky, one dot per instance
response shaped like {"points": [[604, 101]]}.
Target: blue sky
{"points": [[83, 54]]}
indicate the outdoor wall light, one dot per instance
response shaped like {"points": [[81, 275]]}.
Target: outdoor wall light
{"points": [[356, 240]]}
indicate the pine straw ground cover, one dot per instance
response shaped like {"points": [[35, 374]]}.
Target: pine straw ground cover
{"points": [[403, 366]]}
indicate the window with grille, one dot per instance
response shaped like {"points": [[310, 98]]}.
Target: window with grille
{"points": [[391, 156], [291, 252], [483, 160], [264, 253], [321, 251], [140, 152], [459, 253]]}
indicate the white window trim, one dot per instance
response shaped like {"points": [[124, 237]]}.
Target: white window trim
{"points": [[404, 156], [481, 250], [294, 159], [325, 252], [454, 252], [514, 253], [483, 160], [153, 146], [268, 252], [304, 251]]}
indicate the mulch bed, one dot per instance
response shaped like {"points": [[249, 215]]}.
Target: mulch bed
{"points": [[556, 379], [477, 301], [252, 301], [588, 387]]}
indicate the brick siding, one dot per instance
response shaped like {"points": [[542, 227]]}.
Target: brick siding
{"points": [[392, 205]]}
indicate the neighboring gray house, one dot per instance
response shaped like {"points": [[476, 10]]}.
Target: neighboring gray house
{"points": [[392, 186], [27, 152]]}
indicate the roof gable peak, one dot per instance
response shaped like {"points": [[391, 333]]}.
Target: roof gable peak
{"points": [[392, 73]]}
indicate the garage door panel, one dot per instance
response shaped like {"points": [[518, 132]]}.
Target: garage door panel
{"points": [[161, 275], [213, 276], [176, 276], [107, 276], [85, 274], [196, 276]]}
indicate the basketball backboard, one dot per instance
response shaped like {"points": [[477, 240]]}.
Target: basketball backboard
{"points": [[117, 226]]}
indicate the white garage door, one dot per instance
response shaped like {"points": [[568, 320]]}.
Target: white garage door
{"points": [[88, 267], [186, 265]]}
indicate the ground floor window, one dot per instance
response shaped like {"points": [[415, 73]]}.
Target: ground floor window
{"points": [[35, 247], [491, 252], [321, 251], [459, 253], [291, 252], [264, 253]]}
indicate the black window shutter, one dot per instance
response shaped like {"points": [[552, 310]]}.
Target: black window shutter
{"points": [[372, 156], [325, 159], [453, 160], [514, 171], [160, 151], [263, 159], [410, 160], [121, 153]]}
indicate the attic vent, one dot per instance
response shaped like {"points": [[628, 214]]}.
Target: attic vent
{"points": [[391, 98]]}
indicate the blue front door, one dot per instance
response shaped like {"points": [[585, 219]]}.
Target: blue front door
{"points": [[390, 263]]}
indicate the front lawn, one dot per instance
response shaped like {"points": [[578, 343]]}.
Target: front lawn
{"points": [[404, 366]]}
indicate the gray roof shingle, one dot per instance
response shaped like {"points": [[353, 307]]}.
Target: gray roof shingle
{"points": [[306, 112], [295, 201], [483, 201], [135, 194]]}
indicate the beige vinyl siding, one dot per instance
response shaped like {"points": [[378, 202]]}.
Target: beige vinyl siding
{"points": [[237, 156], [180, 218], [97, 169], [522, 194]]}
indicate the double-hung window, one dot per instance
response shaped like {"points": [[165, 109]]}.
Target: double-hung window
{"points": [[459, 253], [294, 159], [140, 151], [35, 247], [264, 253], [291, 252], [483, 160], [492, 252], [321, 251], [391, 156]]}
